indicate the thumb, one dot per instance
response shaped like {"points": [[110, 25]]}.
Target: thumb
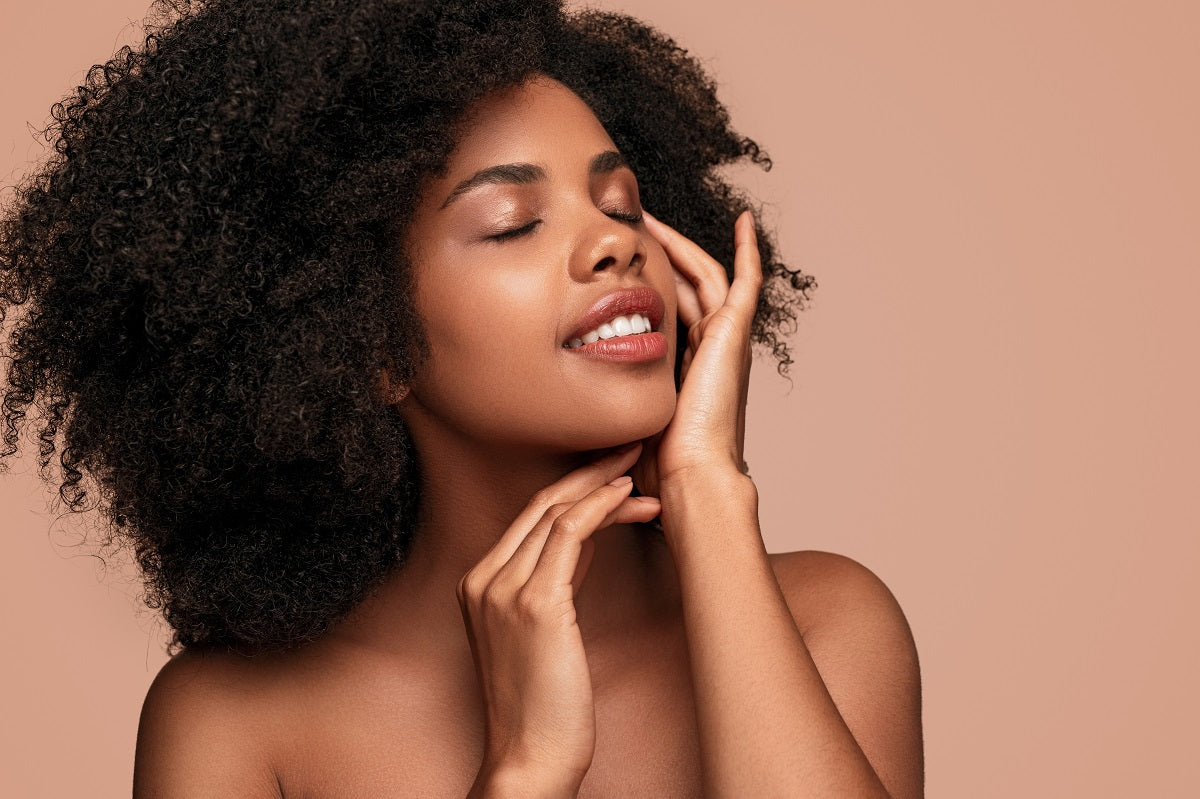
{"points": [[587, 548]]}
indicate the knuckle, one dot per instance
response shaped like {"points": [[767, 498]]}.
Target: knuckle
{"points": [[471, 586], [493, 596], [557, 510], [543, 497], [529, 603], [565, 527]]}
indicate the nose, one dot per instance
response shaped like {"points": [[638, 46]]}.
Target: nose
{"points": [[607, 245]]}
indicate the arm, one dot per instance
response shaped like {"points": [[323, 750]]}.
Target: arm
{"points": [[830, 709], [776, 717], [197, 739]]}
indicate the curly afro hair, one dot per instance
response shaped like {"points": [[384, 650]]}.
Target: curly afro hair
{"points": [[208, 282]]}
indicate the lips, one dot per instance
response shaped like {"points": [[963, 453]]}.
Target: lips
{"points": [[638, 300]]}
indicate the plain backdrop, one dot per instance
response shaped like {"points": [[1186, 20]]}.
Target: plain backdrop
{"points": [[993, 406]]}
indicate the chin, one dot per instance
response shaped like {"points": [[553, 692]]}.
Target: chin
{"points": [[614, 426]]}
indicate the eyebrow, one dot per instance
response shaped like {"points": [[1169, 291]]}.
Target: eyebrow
{"points": [[522, 174]]}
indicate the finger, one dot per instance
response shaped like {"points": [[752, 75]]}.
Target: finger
{"points": [[571, 487], [747, 268], [700, 268], [521, 564], [633, 510], [516, 570], [571, 562], [587, 548], [690, 315], [506, 579], [559, 558], [686, 299], [742, 403]]}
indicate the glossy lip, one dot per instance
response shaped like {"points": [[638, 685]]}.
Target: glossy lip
{"points": [[641, 348], [642, 299]]}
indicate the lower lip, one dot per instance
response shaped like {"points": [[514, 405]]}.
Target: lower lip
{"points": [[637, 348]]}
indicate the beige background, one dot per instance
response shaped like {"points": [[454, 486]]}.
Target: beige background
{"points": [[995, 394]]}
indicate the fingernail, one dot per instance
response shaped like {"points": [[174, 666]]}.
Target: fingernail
{"points": [[622, 480]]}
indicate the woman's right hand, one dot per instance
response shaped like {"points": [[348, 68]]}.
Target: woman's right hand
{"points": [[518, 604]]}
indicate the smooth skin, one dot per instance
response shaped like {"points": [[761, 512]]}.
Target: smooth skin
{"points": [[540, 640]]}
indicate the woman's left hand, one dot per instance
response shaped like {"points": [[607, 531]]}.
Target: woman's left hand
{"points": [[707, 432]]}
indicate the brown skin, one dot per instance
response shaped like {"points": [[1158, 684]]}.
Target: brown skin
{"points": [[597, 659]]}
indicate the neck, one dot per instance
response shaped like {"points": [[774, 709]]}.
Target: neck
{"points": [[470, 495]]}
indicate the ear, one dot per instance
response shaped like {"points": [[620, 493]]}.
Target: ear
{"points": [[391, 392]]}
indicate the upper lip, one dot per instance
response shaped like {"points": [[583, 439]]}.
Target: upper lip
{"points": [[642, 300]]}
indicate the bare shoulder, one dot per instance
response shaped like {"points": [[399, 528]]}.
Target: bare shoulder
{"points": [[863, 647], [844, 611], [826, 590], [203, 731]]}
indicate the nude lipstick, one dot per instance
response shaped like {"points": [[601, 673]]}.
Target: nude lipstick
{"points": [[621, 326]]}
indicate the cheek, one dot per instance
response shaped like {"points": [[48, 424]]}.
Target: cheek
{"points": [[497, 372], [491, 340], [478, 315]]}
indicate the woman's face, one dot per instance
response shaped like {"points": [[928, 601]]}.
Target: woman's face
{"points": [[519, 251]]}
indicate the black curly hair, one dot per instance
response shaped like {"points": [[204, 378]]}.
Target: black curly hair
{"points": [[208, 278]]}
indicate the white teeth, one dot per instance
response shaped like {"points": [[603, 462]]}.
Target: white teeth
{"points": [[617, 326]]}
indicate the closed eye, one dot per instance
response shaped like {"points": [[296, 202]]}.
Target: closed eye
{"points": [[515, 232], [624, 216], [507, 235]]}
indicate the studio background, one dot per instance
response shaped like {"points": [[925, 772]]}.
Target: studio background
{"points": [[993, 405]]}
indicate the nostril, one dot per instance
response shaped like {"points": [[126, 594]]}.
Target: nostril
{"points": [[604, 263]]}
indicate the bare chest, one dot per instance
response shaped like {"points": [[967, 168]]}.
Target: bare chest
{"points": [[377, 741]]}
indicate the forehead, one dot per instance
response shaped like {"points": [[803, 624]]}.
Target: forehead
{"points": [[540, 121]]}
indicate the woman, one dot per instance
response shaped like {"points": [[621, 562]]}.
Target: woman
{"points": [[351, 316]]}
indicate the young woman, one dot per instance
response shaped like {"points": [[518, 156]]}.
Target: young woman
{"points": [[426, 433]]}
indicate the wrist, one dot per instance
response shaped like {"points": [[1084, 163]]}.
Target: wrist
{"points": [[707, 507], [692, 487]]}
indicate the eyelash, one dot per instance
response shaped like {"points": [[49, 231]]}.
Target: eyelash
{"points": [[632, 219], [515, 232]]}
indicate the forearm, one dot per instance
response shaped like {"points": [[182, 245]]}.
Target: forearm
{"points": [[767, 724]]}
